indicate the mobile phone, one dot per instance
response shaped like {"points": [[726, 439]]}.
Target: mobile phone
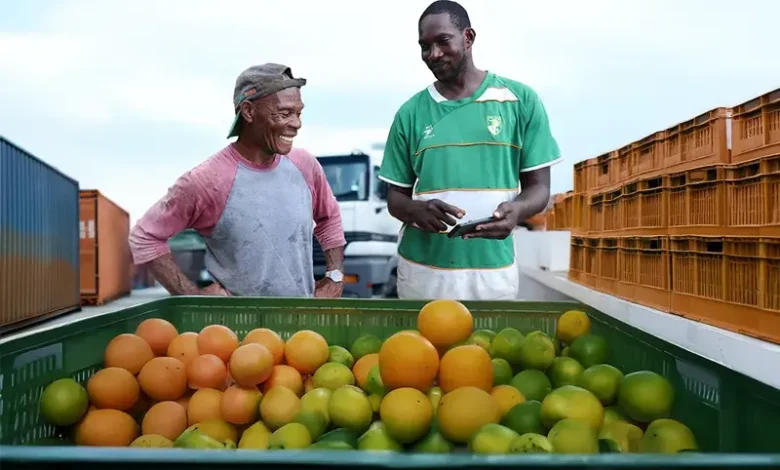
{"points": [[468, 227]]}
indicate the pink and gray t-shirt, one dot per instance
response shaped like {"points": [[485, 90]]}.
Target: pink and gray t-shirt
{"points": [[257, 221]]}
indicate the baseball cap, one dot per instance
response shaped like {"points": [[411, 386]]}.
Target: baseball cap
{"points": [[259, 81]]}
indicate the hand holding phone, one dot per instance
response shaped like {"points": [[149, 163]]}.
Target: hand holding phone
{"points": [[468, 227]]}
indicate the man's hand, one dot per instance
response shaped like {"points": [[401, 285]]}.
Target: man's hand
{"points": [[431, 216], [508, 215], [325, 287], [214, 289]]}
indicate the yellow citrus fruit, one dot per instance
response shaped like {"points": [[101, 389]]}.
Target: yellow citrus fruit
{"points": [[445, 322], [462, 412], [506, 396], [306, 351], [279, 406], [407, 414], [467, 365], [408, 360], [572, 325]]}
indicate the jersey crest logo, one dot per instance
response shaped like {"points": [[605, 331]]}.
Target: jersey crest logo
{"points": [[428, 132], [494, 125]]}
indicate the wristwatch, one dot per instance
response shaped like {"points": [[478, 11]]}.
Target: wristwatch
{"points": [[335, 275]]}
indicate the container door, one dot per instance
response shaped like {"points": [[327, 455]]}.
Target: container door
{"points": [[88, 245]]}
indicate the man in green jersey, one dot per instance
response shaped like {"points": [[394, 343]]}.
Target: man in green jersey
{"points": [[456, 151]]}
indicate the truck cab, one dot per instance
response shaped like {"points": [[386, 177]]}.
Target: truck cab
{"points": [[370, 230]]}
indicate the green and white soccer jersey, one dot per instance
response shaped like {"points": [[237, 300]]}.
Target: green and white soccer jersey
{"points": [[468, 153]]}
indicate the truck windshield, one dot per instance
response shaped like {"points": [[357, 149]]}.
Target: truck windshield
{"points": [[348, 176]]}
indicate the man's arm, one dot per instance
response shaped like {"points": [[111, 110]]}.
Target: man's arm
{"points": [[149, 237]]}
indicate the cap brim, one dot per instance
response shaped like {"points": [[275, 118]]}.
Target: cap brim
{"points": [[234, 126]]}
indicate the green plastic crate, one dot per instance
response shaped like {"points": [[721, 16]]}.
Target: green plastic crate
{"points": [[728, 412]]}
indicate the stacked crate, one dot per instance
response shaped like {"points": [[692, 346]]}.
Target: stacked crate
{"points": [[687, 220]]}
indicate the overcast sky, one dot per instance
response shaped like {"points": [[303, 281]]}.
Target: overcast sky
{"points": [[124, 96]]}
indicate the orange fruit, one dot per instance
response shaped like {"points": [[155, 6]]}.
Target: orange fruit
{"points": [[240, 405], [251, 364], [285, 376], [306, 351], [445, 322], [184, 347], [185, 400], [206, 371], [408, 360], [158, 333], [268, 338], [127, 351], [205, 404], [362, 367], [463, 411], [464, 366], [114, 388], [218, 340], [163, 379], [106, 428], [167, 418]]}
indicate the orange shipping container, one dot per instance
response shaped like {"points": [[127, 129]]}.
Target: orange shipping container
{"points": [[103, 249]]}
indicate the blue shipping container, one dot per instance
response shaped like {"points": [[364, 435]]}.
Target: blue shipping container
{"points": [[39, 238]]}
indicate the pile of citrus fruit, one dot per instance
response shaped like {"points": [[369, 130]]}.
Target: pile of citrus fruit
{"points": [[440, 387]]}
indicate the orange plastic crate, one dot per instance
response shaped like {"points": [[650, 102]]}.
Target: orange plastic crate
{"points": [[580, 213], [628, 266], [606, 170], [647, 155], [727, 282], [653, 194], [591, 174], [755, 128], [580, 177], [613, 216], [591, 259], [697, 203], [607, 280], [596, 214], [753, 195], [624, 164], [653, 287], [576, 259], [700, 141], [631, 213]]}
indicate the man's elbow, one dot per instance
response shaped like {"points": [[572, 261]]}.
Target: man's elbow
{"points": [[145, 247], [330, 233]]}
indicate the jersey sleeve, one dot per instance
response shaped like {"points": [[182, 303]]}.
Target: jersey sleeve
{"points": [[396, 166], [540, 149]]}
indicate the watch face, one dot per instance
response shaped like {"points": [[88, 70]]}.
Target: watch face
{"points": [[335, 276]]}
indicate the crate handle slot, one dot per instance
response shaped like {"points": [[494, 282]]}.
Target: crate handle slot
{"points": [[714, 247]]}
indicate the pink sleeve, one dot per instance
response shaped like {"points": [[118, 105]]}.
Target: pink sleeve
{"points": [[196, 200], [329, 230]]}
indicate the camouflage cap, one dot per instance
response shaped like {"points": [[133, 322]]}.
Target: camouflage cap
{"points": [[260, 81]]}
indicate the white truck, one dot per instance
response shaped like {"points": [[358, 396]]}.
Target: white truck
{"points": [[371, 232]]}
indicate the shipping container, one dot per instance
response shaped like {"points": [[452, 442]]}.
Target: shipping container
{"points": [[39, 245], [104, 228]]}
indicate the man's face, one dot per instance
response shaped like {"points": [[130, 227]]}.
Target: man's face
{"points": [[274, 121], [443, 46]]}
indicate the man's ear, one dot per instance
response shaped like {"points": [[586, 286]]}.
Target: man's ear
{"points": [[469, 36], [247, 111]]}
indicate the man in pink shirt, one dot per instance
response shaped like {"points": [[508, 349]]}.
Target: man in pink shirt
{"points": [[257, 203]]}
